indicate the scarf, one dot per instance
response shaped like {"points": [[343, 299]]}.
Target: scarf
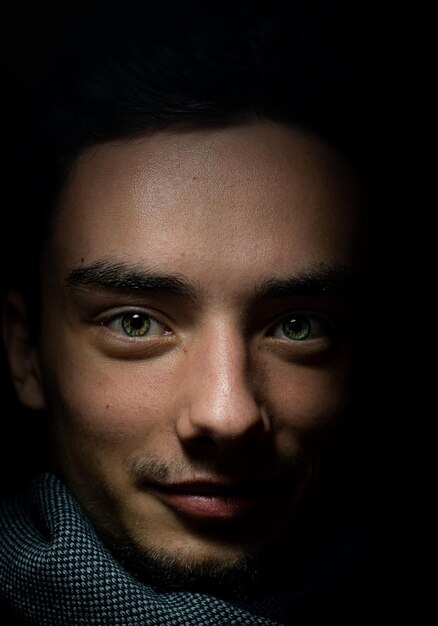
{"points": [[54, 570]]}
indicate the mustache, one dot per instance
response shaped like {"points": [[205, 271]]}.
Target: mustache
{"points": [[158, 471]]}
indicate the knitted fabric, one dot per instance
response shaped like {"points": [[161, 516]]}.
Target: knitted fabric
{"points": [[54, 570]]}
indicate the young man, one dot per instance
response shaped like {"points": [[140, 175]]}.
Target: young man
{"points": [[196, 333]]}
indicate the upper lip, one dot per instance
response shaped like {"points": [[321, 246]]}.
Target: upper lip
{"points": [[211, 488]]}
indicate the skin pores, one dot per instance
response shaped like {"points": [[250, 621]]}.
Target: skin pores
{"points": [[192, 362]]}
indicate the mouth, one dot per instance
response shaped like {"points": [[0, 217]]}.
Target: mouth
{"points": [[213, 500]]}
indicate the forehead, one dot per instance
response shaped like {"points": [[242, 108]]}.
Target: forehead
{"points": [[242, 199]]}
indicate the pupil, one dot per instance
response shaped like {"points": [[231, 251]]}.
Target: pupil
{"points": [[136, 321], [297, 328], [136, 324]]}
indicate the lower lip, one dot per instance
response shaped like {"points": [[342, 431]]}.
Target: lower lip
{"points": [[210, 507]]}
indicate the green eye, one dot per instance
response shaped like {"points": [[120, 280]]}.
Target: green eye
{"points": [[297, 327], [136, 324]]}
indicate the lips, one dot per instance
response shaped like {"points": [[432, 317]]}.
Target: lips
{"points": [[209, 500]]}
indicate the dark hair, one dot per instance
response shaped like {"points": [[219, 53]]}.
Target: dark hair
{"points": [[136, 68]]}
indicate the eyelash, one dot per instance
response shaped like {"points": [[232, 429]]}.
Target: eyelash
{"points": [[305, 326], [115, 323]]}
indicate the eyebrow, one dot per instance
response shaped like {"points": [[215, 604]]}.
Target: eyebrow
{"points": [[323, 280], [111, 275], [123, 276]]}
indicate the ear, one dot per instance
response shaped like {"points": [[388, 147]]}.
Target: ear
{"points": [[21, 352]]}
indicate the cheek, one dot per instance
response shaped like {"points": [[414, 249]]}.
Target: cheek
{"points": [[110, 402], [307, 400]]}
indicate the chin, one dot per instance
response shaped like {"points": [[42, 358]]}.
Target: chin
{"points": [[228, 560], [229, 570]]}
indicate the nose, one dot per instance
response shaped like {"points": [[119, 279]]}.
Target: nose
{"points": [[221, 403]]}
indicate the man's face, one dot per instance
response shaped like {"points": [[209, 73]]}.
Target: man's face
{"points": [[193, 348]]}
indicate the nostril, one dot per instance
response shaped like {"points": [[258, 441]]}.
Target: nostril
{"points": [[201, 448], [231, 455]]}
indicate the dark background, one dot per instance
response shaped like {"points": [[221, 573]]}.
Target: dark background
{"points": [[400, 424], [29, 32]]}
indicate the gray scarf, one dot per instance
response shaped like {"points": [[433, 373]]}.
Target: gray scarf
{"points": [[54, 570]]}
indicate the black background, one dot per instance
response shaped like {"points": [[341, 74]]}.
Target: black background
{"points": [[402, 315]]}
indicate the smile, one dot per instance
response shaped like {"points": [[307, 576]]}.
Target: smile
{"points": [[213, 501]]}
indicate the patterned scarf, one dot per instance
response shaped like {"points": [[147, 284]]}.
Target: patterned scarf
{"points": [[55, 571]]}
